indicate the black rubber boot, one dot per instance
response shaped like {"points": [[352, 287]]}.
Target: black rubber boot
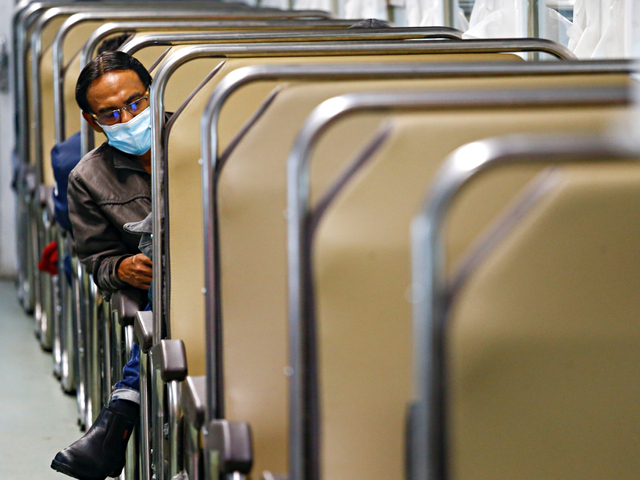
{"points": [[101, 452]]}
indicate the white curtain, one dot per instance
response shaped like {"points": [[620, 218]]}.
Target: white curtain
{"points": [[604, 28], [283, 4], [365, 9], [498, 19], [557, 27], [429, 13], [313, 5]]}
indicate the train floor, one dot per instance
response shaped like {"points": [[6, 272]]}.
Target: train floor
{"points": [[36, 418]]}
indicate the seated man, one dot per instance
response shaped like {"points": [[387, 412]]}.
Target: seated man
{"points": [[107, 189], [66, 155]]}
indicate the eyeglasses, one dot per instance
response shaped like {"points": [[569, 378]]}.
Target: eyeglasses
{"points": [[115, 116]]}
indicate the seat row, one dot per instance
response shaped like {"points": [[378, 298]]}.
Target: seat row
{"points": [[364, 264]]}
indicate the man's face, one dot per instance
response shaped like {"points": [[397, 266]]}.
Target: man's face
{"points": [[113, 90]]}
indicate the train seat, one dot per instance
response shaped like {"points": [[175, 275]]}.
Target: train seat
{"points": [[252, 201], [362, 276], [545, 337], [184, 206], [184, 172]]}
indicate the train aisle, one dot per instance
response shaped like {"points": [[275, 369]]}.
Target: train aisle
{"points": [[36, 418]]}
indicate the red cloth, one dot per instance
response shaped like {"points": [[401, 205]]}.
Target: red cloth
{"points": [[49, 260]]}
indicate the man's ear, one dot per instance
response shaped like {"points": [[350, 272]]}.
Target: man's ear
{"points": [[91, 121]]}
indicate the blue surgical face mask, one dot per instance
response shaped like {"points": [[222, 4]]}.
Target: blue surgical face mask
{"points": [[133, 137]]}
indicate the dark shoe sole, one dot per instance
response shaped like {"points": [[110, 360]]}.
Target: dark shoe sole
{"points": [[65, 469]]}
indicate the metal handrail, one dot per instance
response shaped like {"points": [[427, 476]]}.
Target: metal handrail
{"points": [[106, 11], [285, 35], [430, 309], [235, 80], [109, 29], [23, 21], [302, 225], [290, 49], [134, 46], [179, 10], [172, 39]]}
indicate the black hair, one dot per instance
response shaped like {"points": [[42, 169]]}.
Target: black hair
{"points": [[113, 43], [104, 63]]}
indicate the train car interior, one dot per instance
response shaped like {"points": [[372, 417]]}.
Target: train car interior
{"points": [[320, 240]]}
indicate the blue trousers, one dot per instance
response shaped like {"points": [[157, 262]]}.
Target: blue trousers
{"points": [[131, 371]]}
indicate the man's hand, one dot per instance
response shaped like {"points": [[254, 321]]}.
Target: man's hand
{"points": [[136, 271]]}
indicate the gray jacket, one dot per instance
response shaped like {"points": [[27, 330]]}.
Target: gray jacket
{"points": [[107, 189]]}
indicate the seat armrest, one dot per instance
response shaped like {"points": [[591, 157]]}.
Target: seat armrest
{"points": [[127, 302], [234, 446], [143, 330], [170, 357], [193, 400]]}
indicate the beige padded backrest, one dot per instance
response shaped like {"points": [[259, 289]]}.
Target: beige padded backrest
{"points": [[253, 238], [547, 339], [362, 274], [184, 176], [72, 45]]}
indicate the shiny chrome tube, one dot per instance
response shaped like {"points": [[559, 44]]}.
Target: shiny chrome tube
{"points": [[106, 372], [69, 344], [212, 169], [87, 142], [430, 314], [93, 352], [79, 15], [46, 334], [282, 49], [302, 223], [174, 411], [158, 470], [81, 333], [145, 442], [178, 11], [132, 465], [60, 289]]}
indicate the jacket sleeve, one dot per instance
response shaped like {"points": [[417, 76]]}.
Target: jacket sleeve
{"points": [[98, 242]]}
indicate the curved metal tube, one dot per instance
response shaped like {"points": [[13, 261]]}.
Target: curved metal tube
{"points": [[111, 28], [259, 49], [301, 228], [179, 10], [39, 20], [285, 35], [145, 398], [215, 403], [136, 45], [235, 80], [299, 49], [174, 411], [428, 261], [24, 20]]}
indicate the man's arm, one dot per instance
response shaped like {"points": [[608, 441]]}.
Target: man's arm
{"points": [[98, 242]]}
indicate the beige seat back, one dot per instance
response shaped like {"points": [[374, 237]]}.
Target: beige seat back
{"points": [[363, 278], [184, 174], [546, 339], [184, 205], [253, 239]]}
